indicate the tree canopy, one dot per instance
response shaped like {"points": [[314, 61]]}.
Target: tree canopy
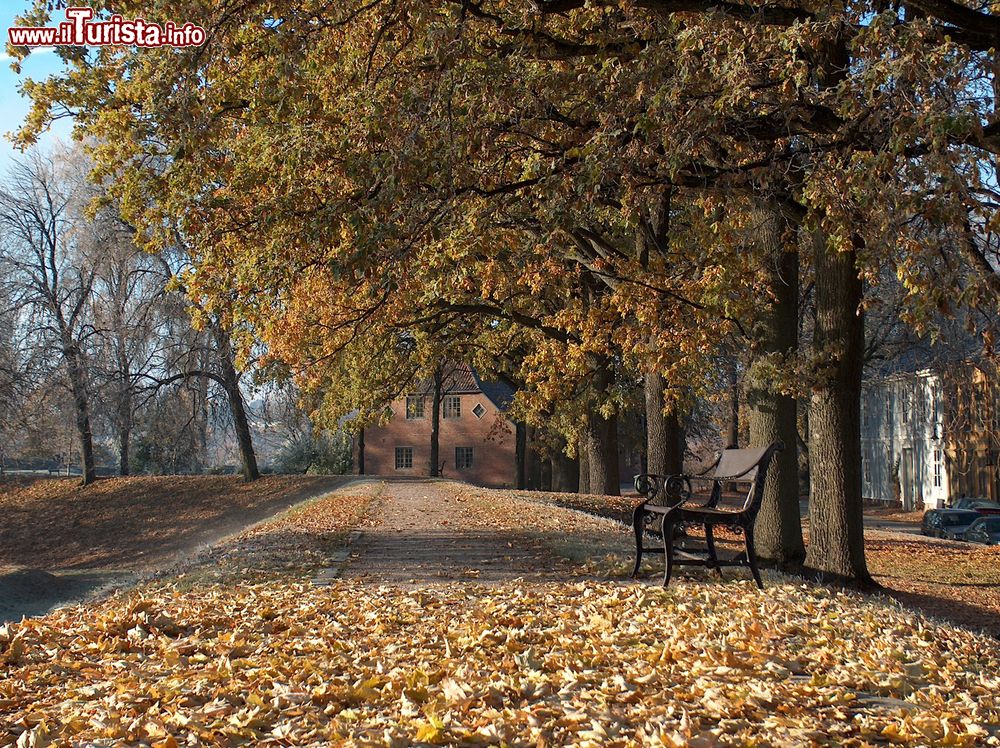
{"points": [[562, 192]]}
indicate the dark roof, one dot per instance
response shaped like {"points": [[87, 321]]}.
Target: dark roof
{"points": [[462, 379], [498, 393]]}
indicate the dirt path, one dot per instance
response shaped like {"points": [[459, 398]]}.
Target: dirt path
{"points": [[427, 532]]}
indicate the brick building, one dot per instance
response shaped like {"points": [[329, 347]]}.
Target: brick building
{"points": [[477, 443]]}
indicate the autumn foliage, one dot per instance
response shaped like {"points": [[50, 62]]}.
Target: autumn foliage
{"points": [[567, 194]]}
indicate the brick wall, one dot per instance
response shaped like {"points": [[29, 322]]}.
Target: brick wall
{"points": [[492, 442]]}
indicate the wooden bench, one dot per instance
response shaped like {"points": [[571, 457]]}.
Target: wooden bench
{"points": [[665, 509]]}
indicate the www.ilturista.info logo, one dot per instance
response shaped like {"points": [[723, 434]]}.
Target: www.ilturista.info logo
{"points": [[80, 31]]}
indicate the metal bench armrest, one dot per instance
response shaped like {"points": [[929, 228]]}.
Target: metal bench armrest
{"points": [[652, 485]]}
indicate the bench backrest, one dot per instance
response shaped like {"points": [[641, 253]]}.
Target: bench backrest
{"points": [[741, 465]]}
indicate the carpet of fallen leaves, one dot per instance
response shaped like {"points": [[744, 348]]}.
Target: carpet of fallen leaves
{"points": [[242, 649], [957, 582], [135, 523], [586, 663]]}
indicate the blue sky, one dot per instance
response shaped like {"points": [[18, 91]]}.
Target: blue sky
{"points": [[13, 106]]}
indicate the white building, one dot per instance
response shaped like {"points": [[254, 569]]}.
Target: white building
{"points": [[903, 452]]}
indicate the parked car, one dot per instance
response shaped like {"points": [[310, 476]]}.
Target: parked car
{"points": [[948, 523], [983, 506], [985, 530]]}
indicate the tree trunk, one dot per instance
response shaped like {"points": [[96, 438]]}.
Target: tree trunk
{"points": [[124, 434], [583, 482], [664, 455], [733, 431], [602, 451], [772, 415], [81, 404], [203, 414], [565, 473], [602, 439], [836, 529], [361, 452], [435, 467], [544, 475], [127, 397], [231, 382], [521, 455]]}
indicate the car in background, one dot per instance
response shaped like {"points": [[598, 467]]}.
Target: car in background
{"points": [[948, 523], [983, 506], [985, 530]]}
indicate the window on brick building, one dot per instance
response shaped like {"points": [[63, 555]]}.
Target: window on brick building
{"points": [[414, 406], [479, 411], [452, 406], [404, 458], [463, 458]]}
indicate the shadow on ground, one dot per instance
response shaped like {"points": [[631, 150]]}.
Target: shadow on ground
{"points": [[33, 592]]}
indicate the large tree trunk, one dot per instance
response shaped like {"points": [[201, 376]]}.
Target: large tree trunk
{"points": [[664, 454], [733, 426], [602, 439], [836, 526], [583, 482], [772, 415], [435, 466], [602, 453], [81, 405], [664, 443], [836, 529], [231, 382]]}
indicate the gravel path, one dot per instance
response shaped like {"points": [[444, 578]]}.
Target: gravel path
{"points": [[426, 532]]}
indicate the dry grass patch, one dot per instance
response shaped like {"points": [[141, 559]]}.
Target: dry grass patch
{"points": [[959, 582], [135, 523]]}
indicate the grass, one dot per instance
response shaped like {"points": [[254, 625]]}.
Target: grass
{"points": [[134, 523]]}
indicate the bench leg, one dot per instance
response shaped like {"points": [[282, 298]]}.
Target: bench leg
{"points": [[668, 550], [752, 556], [637, 525], [710, 542]]}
